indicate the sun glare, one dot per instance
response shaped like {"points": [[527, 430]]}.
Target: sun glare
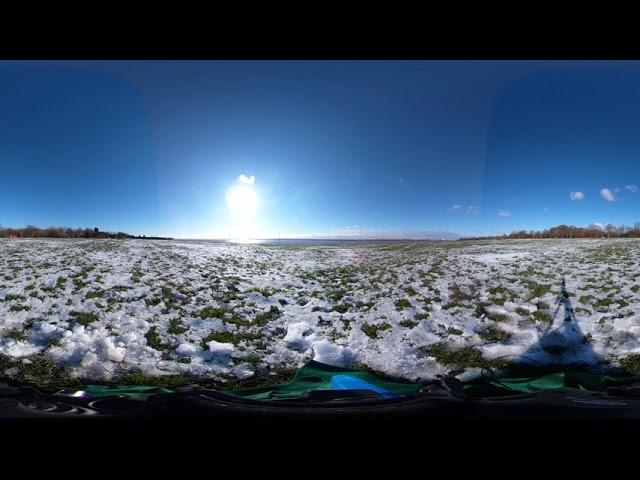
{"points": [[242, 201]]}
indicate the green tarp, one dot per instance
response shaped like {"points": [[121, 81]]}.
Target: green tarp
{"points": [[317, 376], [312, 376], [124, 390], [491, 387]]}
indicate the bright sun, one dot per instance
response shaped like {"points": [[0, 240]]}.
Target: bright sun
{"points": [[242, 201]]}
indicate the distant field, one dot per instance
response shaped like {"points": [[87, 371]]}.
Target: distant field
{"points": [[175, 312]]}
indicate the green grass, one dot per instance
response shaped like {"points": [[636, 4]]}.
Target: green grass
{"points": [[403, 303], [84, 318], [465, 357], [410, 291], [95, 294], [266, 292], [337, 295], [264, 318], [458, 296], [229, 337], [364, 305], [282, 375], [630, 365], [536, 289], [19, 308], [604, 302], [222, 337], [175, 327], [39, 372], [492, 334], [11, 297], [341, 308], [499, 290], [371, 330], [496, 317], [213, 312], [155, 341], [408, 323], [18, 335]]}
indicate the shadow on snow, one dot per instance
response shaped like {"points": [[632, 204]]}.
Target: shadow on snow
{"points": [[563, 343]]}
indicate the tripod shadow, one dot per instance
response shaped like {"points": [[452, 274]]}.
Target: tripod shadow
{"points": [[562, 343]]}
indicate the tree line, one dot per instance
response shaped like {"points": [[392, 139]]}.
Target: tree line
{"points": [[31, 231], [569, 231]]}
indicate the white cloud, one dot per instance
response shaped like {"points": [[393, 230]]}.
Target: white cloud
{"points": [[454, 208], [473, 209], [607, 195], [617, 189], [632, 188], [546, 209], [504, 213], [576, 195], [599, 225], [245, 179]]}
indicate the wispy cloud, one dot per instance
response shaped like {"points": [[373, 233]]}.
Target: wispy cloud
{"points": [[244, 179], [632, 188], [504, 213], [458, 208], [607, 194], [511, 200], [617, 189], [546, 209], [576, 195]]}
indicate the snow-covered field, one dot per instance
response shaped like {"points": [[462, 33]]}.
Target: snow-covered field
{"points": [[103, 309]]}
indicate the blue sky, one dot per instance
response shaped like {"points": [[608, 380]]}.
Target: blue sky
{"points": [[404, 149]]}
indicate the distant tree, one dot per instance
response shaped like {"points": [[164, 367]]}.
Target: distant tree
{"points": [[610, 229], [31, 231], [52, 232]]}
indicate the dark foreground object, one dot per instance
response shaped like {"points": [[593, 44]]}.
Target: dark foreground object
{"points": [[429, 406]]}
